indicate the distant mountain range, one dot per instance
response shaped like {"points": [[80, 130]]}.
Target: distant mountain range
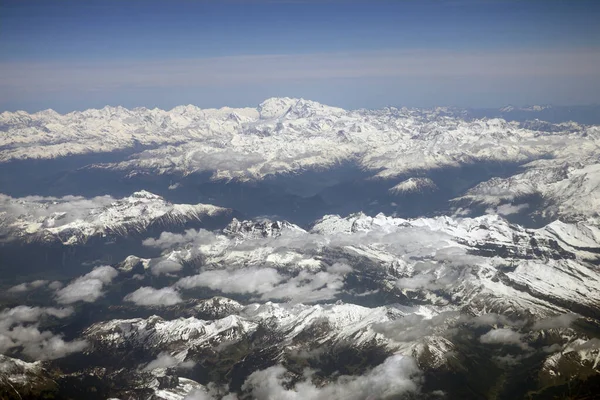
{"points": [[589, 114]]}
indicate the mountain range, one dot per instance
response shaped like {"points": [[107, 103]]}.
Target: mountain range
{"points": [[299, 251]]}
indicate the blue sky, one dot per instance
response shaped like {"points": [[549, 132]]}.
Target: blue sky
{"points": [[70, 55]]}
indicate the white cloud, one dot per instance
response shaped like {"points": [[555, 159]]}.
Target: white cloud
{"points": [[166, 266], [50, 347], [165, 360], [422, 281], [148, 296], [413, 327], [19, 329], [20, 288], [552, 348], [199, 394], [54, 285], [31, 314], [492, 319], [104, 274], [27, 286], [340, 268], [507, 209], [210, 392], [503, 336], [87, 288], [268, 283], [307, 287], [251, 280], [168, 239], [591, 344], [397, 375], [560, 321], [54, 211]]}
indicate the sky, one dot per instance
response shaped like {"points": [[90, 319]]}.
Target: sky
{"points": [[73, 55]]}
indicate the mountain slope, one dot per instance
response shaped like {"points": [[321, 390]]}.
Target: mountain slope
{"points": [[283, 135], [73, 220]]}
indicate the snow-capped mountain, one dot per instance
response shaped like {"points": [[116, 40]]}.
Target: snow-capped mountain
{"points": [[568, 189], [284, 137], [450, 279], [24, 375], [74, 220], [510, 108], [266, 294], [281, 135], [482, 263], [259, 229], [414, 185], [491, 295]]}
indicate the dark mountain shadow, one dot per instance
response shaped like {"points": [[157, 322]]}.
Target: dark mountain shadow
{"points": [[24, 261], [300, 198]]}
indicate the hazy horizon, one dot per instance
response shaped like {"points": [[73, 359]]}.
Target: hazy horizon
{"points": [[254, 105], [351, 54]]}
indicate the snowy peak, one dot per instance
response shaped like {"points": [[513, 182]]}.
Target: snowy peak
{"points": [[74, 219], [508, 108], [534, 108], [414, 185], [503, 259], [259, 229], [312, 109], [289, 108], [285, 135], [569, 190], [344, 322], [144, 194], [275, 107], [155, 332]]}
